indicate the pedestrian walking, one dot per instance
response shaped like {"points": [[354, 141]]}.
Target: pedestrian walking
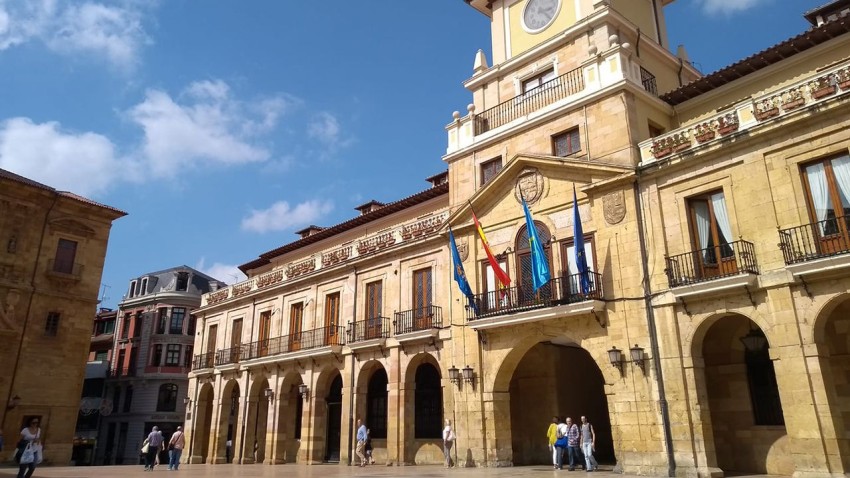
{"points": [[152, 445], [175, 448], [588, 445], [551, 437], [560, 443], [449, 438], [369, 458], [361, 442], [30, 450], [228, 450], [573, 436]]}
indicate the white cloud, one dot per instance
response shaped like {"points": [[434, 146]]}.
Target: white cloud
{"points": [[84, 163], [227, 273], [111, 30], [280, 216], [211, 126], [325, 128], [728, 7]]}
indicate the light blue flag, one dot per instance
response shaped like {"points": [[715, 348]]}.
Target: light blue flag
{"points": [[539, 265], [578, 241], [460, 275]]}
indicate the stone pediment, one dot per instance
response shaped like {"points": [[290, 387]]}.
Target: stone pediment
{"points": [[532, 177], [72, 226]]}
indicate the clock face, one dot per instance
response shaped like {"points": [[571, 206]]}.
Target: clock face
{"points": [[538, 14]]}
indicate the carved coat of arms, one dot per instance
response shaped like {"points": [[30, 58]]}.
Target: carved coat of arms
{"points": [[529, 185], [614, 207], [462, 249]]}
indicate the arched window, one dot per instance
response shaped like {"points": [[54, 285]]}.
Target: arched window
{"points": [[523, 262], [167, 401], [376, 404], [428, 402]]}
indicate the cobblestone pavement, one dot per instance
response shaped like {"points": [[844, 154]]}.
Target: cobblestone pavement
{"points": [[305, 471]]}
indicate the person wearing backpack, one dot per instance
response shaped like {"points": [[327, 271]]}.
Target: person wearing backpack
{"points": [[560, 443]]}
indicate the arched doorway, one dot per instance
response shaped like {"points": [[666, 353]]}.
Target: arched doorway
{"points": [[740, 388], [203, 424], [333, 436], [421, 421], [428, 403], [229, 421], [376, 404], [258, 419], [560, 380], [833, 339]]}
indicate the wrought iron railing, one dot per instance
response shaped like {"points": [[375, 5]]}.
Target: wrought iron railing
{"points": [[564, 290], [423, 318], [648, 81], [816, 240], [711, 263], [369, 329], [228, 356], [544, 95], [308, 339], [117, 372], [206, 360]]}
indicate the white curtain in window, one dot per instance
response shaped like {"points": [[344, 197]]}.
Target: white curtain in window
{"points": [[588, 255], [841, 168], [718, 203], [703, 224], [820, 194]]}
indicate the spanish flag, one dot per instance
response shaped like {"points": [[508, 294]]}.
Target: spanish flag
{"points": [[501, 276]]}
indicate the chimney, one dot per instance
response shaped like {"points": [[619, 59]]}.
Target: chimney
{"points": [[309, 231], [369, 207]]}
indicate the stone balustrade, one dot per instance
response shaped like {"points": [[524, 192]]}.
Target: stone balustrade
{"points": [[370, 244]]}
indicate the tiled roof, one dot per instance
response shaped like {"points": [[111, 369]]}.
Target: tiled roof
{"points": [[29, 182], [788, 48], [388, 209]]}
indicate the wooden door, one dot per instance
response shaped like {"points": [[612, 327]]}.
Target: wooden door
{"points": [[372, 325], [831, 233], [331, 319], [296, 317], [212, 336], [265, 330], [525, 294], [235, 340], [422, 316], [717, 259]]}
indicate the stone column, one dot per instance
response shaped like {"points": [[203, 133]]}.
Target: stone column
{"points": [[395, 408], [822, 381]]}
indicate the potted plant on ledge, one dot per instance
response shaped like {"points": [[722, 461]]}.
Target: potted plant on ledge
{"points": [[821, 87]]}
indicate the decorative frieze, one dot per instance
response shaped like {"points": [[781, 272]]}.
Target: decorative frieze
{"points": [[673, 143], [376, 243], [242, 288], [300, 268], [336, 256], [270, 278], [421, 228], [218, 296]]}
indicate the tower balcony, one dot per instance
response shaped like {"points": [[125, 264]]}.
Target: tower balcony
{"points": [[561, 297]]}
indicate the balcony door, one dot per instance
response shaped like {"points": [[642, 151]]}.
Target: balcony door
{"points": [[422, 298], [712, 235], [212, 336], [828, 184], [265, 330], [235, 340], [374, 311], [494, 299], [525, 283], [331, 319], [296, 318]]}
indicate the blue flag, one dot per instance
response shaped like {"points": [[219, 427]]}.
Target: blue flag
{"points": [[539, 264], [578, 241], [460, 275]]}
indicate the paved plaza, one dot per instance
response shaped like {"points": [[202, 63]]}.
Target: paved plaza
{"points": [[311, 471]]}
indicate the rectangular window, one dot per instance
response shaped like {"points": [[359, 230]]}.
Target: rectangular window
{"points": [[172, 355], [131, 366], [156, 358], [538, 80], [109, 327], [178, 314], [235, 340], [144, 287], [296, 318], [828, 195], [137, 325], [116, 397], [128, 400], [101, 356], [66, 253], [162, 320], [51, 325], [566, 143], [493, 298], [374, 291], [265, 333], [568, 255], [422, 315], [132, 291], [182, 281], [125, 327], [187, 357], [711, 233], [655, 130], [120, 366], [212, 335], [193, 322], [331, 318], [489, 170]]}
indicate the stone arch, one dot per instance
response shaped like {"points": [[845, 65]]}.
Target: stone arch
{"points": [[327, 415], [256, 425], [831, 333], [203, 424], [419, 448], [228, 424], [290, 419], [738, 394], [372, 404]]}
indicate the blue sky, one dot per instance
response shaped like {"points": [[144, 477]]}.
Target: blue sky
{"points": [[221, 126]]}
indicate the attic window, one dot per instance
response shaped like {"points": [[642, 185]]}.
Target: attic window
{"points": [[369, 207], [144, 289], [309, 231], [182, 281]]}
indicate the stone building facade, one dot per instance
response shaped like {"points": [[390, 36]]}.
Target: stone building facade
{"points": [[150, 360], [52, 248], [707, 336]]}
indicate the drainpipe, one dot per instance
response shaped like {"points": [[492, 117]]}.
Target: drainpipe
{"points": [[29, 308], [351, 384], [653, 335]]}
